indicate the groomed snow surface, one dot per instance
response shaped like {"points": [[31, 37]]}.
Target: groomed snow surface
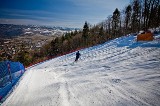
{"points": [[121, 72]]}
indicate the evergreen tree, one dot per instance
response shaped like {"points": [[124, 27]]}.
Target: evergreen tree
{"points": [[101, 32], [115, 22], [55, 46], [85, 33], [85, 30], [75, 32]]}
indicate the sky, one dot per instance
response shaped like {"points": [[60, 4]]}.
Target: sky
{"points": [[64, 13]]}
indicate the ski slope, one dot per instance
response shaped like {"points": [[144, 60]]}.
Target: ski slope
{"points": [[121, 72]]}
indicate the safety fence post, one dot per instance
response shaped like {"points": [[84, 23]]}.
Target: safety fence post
{"points": [[9, 70]]}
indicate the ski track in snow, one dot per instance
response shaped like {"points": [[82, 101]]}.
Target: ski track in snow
{"points": [[105, 75]]}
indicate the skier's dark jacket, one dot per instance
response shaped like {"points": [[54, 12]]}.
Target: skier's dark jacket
{"points": [[77, 56]]}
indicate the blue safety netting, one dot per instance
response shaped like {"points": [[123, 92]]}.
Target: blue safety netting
{"points": [[10, 72]]}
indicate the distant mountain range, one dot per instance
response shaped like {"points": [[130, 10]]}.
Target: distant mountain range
{"points": [[10, 30]]}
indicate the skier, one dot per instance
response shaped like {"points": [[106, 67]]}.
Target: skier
{"points": [[77, 56]]}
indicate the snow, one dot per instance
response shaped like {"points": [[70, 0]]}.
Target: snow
{"points": [[120, 72]]}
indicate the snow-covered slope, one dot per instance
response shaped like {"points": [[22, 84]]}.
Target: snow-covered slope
{"points": [[121, 72]]}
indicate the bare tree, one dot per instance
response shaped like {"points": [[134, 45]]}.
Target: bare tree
{"points": [[128, 12]]}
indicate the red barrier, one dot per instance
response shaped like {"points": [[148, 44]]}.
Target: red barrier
{"points": [[51, 57]]}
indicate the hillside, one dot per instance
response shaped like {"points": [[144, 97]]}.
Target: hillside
{"points": [[116, 73]]}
